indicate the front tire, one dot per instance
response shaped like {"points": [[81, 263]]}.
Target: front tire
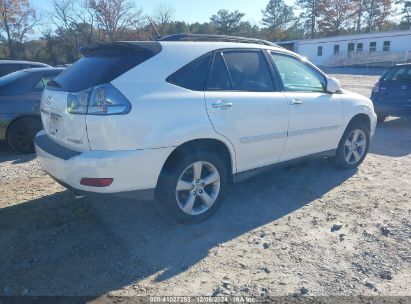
{"points": [[354, 146], [21, 133], [191, 188]]}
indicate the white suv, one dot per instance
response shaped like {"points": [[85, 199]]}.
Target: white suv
{"points": [[178, 120]]}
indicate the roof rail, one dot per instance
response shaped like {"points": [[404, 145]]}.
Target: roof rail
{"points": [[205, 37]]}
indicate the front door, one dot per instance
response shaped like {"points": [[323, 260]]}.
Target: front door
{"points": [[244, 106], [316, 117]]}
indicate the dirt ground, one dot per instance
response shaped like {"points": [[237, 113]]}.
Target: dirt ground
{"points": [[308, 229]]}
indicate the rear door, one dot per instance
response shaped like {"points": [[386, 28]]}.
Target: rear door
{"points": [[245, 106], [395, 87]]}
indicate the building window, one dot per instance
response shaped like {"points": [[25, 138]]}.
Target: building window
{"points": [[359, 47], [373, 46], [351, 47], [386, 47], [336, 49], [320, 51]]}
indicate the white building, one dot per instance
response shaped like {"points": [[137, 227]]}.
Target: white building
{"points": [[383, 48]]}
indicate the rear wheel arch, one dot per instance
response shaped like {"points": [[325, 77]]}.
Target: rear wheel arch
{"points": [[18, 128], [21, 117], [210, 145]]}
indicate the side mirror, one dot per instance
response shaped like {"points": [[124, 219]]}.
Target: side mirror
{"points": [[333, 85]]}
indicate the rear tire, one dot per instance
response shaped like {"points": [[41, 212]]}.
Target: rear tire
{"points": [[354, 146], [191, 188], [21, 133]]}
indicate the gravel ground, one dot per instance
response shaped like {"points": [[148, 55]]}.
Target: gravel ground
{"points": [[308, 229]]}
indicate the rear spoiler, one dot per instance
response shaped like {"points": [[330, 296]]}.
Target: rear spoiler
{"points": [[151, 47]]}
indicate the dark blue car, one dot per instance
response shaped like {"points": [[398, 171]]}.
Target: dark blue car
{"points": [[20, 95], [391, 95]]}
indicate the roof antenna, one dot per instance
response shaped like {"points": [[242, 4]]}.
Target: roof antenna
{"points": [[154, 27]]}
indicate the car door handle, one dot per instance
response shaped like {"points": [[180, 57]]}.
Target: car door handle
{"points": [[222, 105], [296, 102]]}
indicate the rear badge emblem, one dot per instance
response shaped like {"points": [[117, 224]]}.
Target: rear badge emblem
{"points": [[48, 100]]}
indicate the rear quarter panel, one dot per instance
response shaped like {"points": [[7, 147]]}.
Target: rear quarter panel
{"points": [[162, 116]]}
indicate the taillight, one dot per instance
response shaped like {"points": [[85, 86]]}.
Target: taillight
{"points": [[100, 100], [96, 182], [376, 87]]}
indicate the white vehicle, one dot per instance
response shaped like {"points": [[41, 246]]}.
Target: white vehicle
{"points": [[178, 120]]}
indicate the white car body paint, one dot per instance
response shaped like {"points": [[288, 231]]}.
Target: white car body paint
{"points": [[259, 129]]}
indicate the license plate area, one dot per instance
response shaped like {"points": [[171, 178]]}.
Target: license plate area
{"points": [[53, 123]]}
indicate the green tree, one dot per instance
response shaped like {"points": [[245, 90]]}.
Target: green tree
{"points": [[335, 16], [277, 15], [377, 13], [17, 19], [226, 22], [310, 13], [406, 15]]}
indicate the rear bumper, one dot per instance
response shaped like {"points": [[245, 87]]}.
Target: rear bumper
{"points": [[394, 110], [135, 173], [382, 105]]}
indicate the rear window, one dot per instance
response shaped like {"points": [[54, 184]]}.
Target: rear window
{"points": [[398, 73], [193, 75], [104, 64]]}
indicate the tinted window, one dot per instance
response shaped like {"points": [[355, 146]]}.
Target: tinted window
{"points": [[248, 71], [218, 78], [320, 51], [193, 75], [9, 68], [31, 65], [336, 49], [373, 46], [42, 82], [398, 74], [386, 47], [102, 65], [297, 76]]}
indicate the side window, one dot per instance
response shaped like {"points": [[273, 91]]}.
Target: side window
{"points": [[42, 82], [336, 49], [248, 71], [386, 46], [218, 79], [9, 68], [297, 76], [39, 86], [193, 75]]}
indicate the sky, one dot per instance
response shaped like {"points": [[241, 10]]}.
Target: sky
{"points": [[193, 10]]}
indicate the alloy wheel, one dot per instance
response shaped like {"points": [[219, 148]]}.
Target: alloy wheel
{"points": [[198, 188], [355, 146]]}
